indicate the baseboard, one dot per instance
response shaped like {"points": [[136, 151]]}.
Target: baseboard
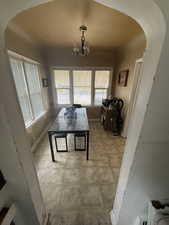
{"points": [[47, 220], [113, 218], [36, 143]]}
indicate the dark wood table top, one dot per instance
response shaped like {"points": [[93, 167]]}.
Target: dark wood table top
{"points": [[76, 122]]}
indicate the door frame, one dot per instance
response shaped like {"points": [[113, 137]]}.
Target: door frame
{"points": [[134, 93]]}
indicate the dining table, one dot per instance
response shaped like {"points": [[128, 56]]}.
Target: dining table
{"points": [[70, 122]]}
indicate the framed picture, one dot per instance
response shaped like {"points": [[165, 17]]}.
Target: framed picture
{"points": [[123, 77], [45, 82]]}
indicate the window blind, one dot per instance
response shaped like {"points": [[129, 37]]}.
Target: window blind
{"points": [[62, 85], [101, 86], [82, 87], [28, 87], [86, 87], [21, 88], [32, 76]]}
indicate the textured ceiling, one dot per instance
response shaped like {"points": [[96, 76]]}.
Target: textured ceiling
{"points": [[56, 24]]}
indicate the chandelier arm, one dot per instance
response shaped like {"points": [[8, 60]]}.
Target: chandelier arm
{"points": [[83, 42], [82, 50]]}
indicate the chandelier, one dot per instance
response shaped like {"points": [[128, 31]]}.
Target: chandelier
{"points": [[83, 49]]}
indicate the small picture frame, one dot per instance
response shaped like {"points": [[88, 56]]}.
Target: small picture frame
{"points": [[123, 77], [45, 82]]}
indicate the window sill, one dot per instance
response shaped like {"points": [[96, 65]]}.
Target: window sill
{"points": [[36, 120], [87, 106]]}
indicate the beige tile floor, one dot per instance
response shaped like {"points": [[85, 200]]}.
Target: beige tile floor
{"points": [[77, 191]]}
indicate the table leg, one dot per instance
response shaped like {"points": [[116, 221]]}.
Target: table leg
{"points": [[51, 147], [87, 152]]}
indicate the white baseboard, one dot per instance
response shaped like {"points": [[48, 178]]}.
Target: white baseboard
{"points": [[47, 220], [113, 218], [34, 146]]}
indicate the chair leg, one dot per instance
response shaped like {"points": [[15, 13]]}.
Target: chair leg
{"points": [[75, 142], [56, 144], [66, 144], [84, 143]]}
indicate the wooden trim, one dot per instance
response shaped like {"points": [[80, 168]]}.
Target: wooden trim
{"points": [[18, 56], [39, 139], [8, 215]]}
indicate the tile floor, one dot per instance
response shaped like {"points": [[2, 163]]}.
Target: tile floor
{"points": [[76, 191]]}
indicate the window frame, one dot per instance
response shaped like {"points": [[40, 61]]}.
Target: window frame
{"points": [[24, 59], [108, 89], [82, 69], [71, 69], [66, 88]]}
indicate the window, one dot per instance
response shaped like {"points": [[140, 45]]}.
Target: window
{"points": [[79, 87], [34, 87], [82, 87], [101, 86], [22, 91], [26, 78], [62, 85]]}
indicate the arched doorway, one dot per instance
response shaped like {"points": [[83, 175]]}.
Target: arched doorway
{"points": [[143, 12]]}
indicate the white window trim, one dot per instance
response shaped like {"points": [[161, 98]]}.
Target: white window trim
{"points": [[92, 69], [109, 88], [72, 87], [35, 120], [25, 59]]}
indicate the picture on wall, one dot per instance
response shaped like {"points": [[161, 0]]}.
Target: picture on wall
{"points": [[123, 77]]}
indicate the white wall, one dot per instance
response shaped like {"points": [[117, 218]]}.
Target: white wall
{"points": [[17, 189], [22, 45], [63, 57], [126, 57], [134, 191], [149, 173], [149, 170], [16, 160]]}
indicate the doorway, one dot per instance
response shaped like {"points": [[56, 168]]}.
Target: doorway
{"points": [[154, 51], [134, 94]]}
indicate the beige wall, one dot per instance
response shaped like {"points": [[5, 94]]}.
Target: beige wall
{"points": [[97, 58], [25, 47], [64, 57], [126, 57], [94, 112]]}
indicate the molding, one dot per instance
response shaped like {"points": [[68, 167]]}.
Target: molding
{"points": [[133, 96], [18, 56], [4, 197], [112, 217], [9, 216], [82, 67], [47, 219], [38, 140]]}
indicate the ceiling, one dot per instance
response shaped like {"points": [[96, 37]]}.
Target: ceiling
{"points": [[56, 24]]}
